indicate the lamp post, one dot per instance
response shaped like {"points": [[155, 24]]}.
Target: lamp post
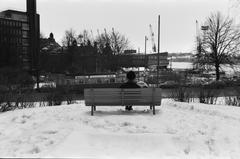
{"points": [[146, 44], [138, 65], [146, 39], [158, 51], [145, 58]]}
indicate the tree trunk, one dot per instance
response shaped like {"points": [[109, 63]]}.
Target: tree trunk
{"points": [[217, 67]]}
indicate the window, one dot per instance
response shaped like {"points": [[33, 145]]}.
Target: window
{"points": [[25, 50], [25, 34], [25, 26], [25, 41]]}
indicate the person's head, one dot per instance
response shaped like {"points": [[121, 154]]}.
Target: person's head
{"points": [[131, 75]]}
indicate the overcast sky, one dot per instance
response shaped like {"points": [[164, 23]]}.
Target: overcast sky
{"points": [[130, 17]]}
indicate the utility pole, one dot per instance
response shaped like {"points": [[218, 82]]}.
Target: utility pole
{"points": [[158, 51], [145, 58], [145, 51], [138, 66]]}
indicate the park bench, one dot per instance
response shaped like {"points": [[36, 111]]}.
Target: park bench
{"points": [[122, 97]]}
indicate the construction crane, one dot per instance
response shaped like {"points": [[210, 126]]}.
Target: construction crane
{"points": [[152, 38]]}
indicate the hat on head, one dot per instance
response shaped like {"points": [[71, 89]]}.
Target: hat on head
{"points": [[131, 75]]}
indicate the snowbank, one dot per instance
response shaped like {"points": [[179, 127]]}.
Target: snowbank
{"points": [[178, 130]]}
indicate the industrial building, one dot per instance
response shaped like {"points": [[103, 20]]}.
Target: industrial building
{"points": [[19, 38]]}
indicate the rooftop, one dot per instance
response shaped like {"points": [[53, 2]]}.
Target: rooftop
{"points": [[13, 11]]}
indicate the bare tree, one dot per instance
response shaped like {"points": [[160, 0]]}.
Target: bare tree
{"points": [[69, 38], [85, 37], [117, 41], [220, 42]]}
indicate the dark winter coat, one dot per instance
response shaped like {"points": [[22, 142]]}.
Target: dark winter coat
{"points": [[130, 84]]}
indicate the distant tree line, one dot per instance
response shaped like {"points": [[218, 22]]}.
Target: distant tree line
{"points": [[84, 53], [105, 43]]}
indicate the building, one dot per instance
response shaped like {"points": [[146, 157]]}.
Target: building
{"points": [[19, 38], [49, 45], [153, 60]]}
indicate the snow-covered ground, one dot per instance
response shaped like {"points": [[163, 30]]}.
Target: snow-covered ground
{"points": [[181, 65], [178, 130]]}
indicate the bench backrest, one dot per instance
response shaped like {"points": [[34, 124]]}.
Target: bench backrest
{"points": [[118, 96]]}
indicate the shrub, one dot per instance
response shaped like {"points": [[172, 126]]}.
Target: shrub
{"points": [[6, 103], [182, 94], [233, 101], [54, 97], [207, 96]]}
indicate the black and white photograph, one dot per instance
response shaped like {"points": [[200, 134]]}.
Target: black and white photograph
{"points": [[120, 79]]}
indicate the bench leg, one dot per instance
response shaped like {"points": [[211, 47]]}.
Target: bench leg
{"points": [[153, 109], [92, 110], [95, 108]]}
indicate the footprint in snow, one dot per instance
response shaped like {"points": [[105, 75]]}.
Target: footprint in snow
{"points": [[35, 150], [126, 124], [187, 150], [50, 132]]}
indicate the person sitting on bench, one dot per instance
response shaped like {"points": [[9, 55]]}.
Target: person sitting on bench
{"points": [[131, 83]]}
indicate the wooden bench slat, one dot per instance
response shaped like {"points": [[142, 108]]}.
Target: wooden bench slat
{"points": [[122, 97], [115, 93]]}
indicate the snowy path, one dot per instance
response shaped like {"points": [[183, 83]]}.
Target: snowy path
{"points": [[179, 130]]}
